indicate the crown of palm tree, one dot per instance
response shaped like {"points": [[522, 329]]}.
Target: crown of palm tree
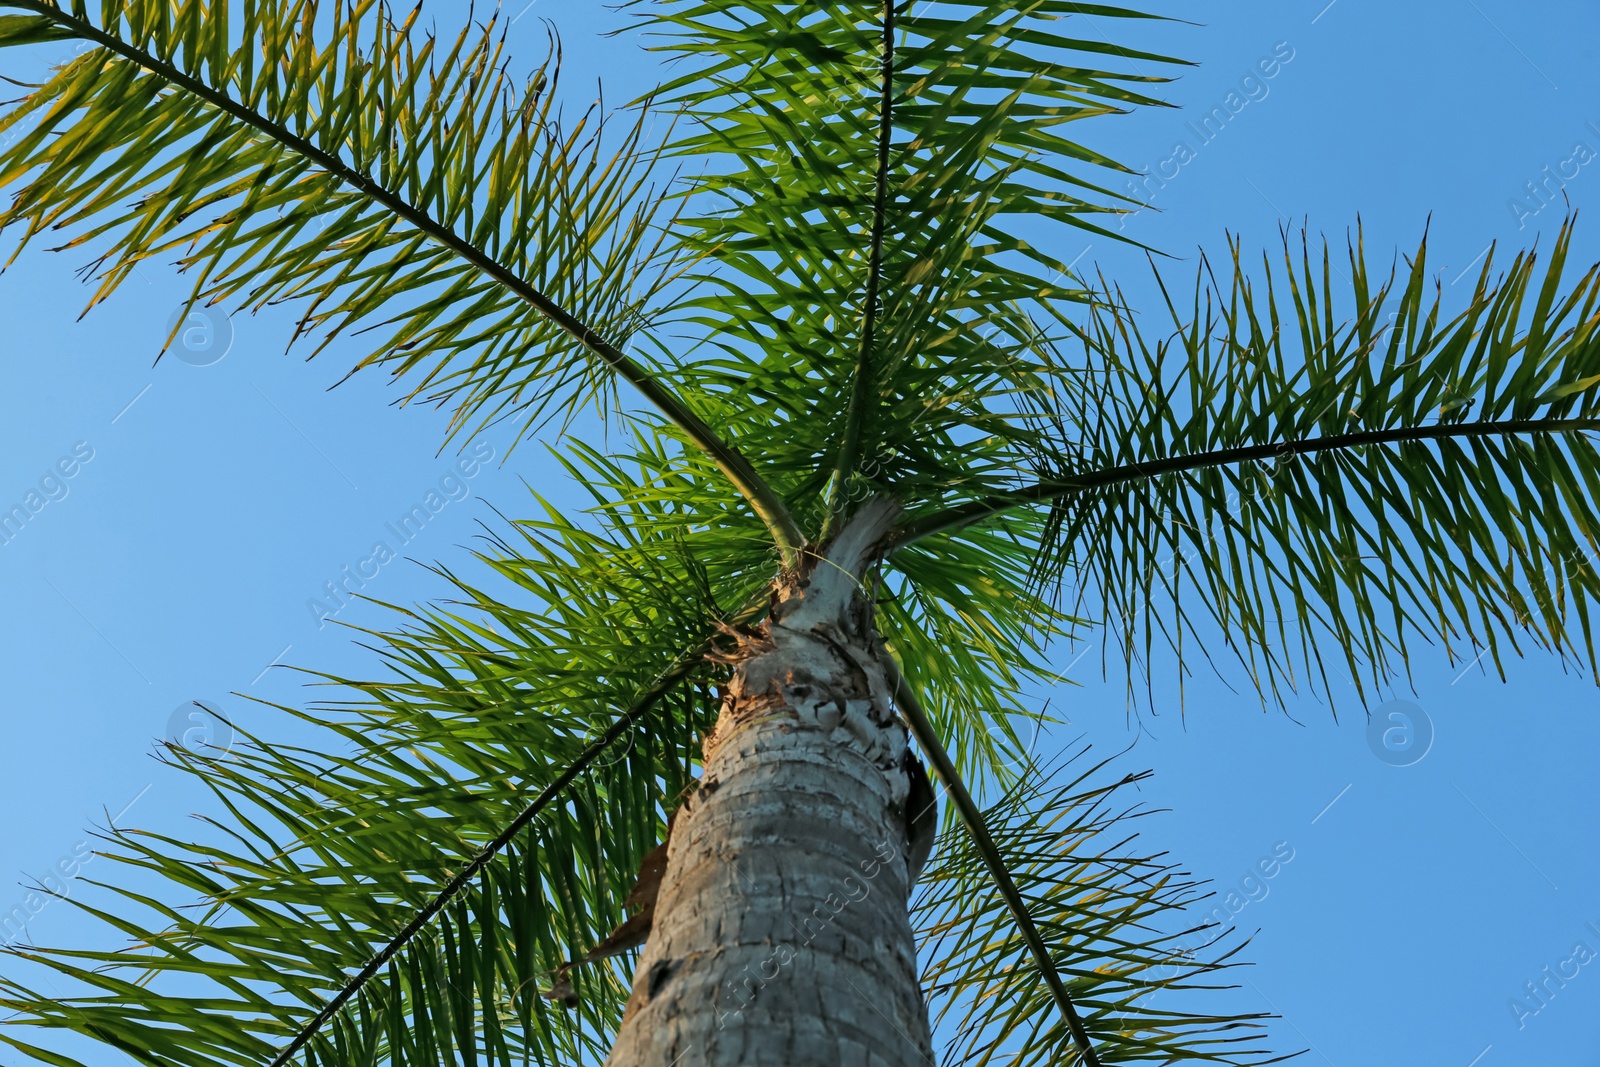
{"points": [[830, 278]]}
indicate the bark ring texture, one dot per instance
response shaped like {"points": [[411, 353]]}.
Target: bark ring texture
{"points": [[782, 935]]}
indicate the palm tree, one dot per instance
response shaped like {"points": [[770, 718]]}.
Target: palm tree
{"points": [[893, 448]]}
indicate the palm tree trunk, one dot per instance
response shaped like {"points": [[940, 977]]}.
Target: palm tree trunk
{"points": [[781, 932]]}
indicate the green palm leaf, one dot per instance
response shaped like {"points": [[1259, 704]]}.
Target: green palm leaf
{"points": [[870, 168], [504, 259], [325, 857], [861, 293], [1313, 459], [1114, 916]]}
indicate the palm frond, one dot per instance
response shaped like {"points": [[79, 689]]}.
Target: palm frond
{"points": [[1318, 454], [863, 317], [988, 851], [328, 157], [859, 236], [971, 629], [326, 860], [1114, 919]]}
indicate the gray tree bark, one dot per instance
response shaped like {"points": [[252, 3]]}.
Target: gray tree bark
{"points": [[781, 933]]}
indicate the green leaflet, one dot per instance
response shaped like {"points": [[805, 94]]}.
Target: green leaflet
{"points": [[347, 170], [1301, 478], [1317, 470], [787, 102], [1114, 917], [324, 853]]}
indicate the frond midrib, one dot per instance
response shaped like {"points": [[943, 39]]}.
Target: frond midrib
{"points": [[1053, 489], [861, 388], [757, 492]]}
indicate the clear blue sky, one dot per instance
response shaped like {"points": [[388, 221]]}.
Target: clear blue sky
{"points": [[176, 562]]}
